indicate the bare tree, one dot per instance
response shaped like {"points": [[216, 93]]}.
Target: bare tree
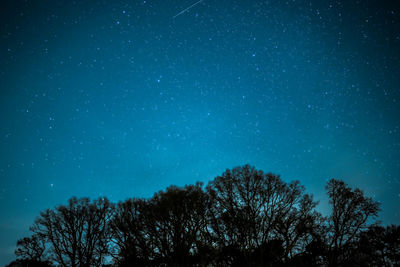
{"points": [[168, 229], [351, 212], [31, 248], [77, 234], [251, 209], [300, 226], [178, 225], [244, 217], [132, 245]]}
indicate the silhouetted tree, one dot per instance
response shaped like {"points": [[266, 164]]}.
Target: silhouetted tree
{"points": [[133, 247], [300, 226], [250, 209], [170, 228], [245, 217], [31, 248], [379, 246], [392, 244], [351, 211], [76, 234], [178, 224]]}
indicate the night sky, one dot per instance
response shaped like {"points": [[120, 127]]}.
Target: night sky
{"points": [[124, 98]]}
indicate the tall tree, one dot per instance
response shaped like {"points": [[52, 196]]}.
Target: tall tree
{"points": [[77, 234], [129, 226], [250, 209], [300, 226], [178, 225], [351, 212], [168, 229]]}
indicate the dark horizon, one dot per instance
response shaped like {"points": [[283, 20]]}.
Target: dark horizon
{"points": [[124, 98]]}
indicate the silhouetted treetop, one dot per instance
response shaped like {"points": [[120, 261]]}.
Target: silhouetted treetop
{"points": [[351, 211], [244, 217], [76, 234]]}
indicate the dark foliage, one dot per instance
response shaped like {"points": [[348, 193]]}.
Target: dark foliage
{"points": [[244, 217], [29, 263]]}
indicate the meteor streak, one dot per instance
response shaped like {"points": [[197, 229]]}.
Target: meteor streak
{"points": [[187, 9]]}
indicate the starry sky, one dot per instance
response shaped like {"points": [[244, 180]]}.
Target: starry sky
{"points": [[124, 98]]}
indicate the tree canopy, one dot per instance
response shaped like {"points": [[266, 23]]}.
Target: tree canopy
{"points": [[244, 217]]}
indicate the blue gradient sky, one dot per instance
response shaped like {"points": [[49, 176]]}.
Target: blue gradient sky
{"points": [[120, 99]]}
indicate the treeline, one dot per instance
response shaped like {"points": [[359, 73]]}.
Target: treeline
{"points": [[244, 217]]}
